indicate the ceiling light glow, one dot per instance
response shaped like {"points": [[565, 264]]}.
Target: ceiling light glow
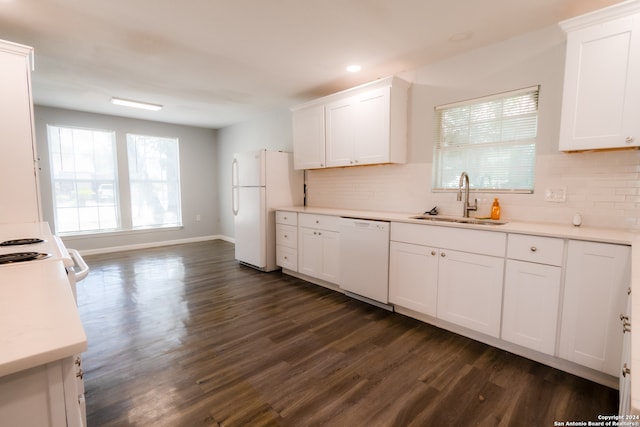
{"points": [[135, 104], [354, 68]]}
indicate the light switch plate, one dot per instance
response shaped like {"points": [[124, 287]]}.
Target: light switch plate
{"points": [[557, 194]]}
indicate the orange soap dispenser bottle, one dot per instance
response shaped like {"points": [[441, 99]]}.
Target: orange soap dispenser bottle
{"points": [[495, 209]]}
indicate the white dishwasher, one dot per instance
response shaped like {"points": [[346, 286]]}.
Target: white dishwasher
{"points": [[364, 259]]}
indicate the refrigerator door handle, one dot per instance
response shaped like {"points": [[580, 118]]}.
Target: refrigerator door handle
{"points": [[234, 187]]}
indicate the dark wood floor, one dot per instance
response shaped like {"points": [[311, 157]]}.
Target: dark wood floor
{"points": [[184, 336]]}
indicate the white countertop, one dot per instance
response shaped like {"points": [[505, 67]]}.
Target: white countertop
{"points": [[595, 234], [39, 320]]}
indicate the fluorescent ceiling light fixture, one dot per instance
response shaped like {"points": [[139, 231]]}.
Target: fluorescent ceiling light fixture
{"points": [[135, 104], [354, 68]]}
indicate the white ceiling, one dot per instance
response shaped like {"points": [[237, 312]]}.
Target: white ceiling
{"points": [[212, 63]]}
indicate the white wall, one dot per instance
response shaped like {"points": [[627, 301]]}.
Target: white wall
{"points": [[603, 186], [198, 175], [271, 131]]}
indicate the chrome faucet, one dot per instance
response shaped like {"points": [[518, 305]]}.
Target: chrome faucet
{"points": [[464, 180]]}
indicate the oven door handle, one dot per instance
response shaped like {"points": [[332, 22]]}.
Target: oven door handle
{"points": [[79, 262]]}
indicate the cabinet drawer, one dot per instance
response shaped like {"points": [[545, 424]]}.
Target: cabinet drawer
{"points": [[465, 240], [543, 250], [287, 235], [284, 217], [287, 257], [321, 222]]}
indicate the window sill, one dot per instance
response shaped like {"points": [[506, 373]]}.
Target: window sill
{"points": [[115, 233]]}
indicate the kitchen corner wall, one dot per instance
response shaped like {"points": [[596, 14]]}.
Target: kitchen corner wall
{"points": [[604, 187]]}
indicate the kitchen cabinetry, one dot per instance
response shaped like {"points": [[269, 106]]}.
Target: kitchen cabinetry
{"points": [[360, 126], [308, 137], [45, 395], [532, 291], [18, 168], [319, 246], [625, 372], [413, 277], [596, 284], [601, 98], [287, 240], [466, 279]]}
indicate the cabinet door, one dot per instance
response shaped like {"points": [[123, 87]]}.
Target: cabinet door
{"points": [[413, 277], [372, 115], [340, 132], [330, 256], [531, 299], [309, 252], [18, 170], [601, 100], [308, 137], [319, 254], [597, 278], [470, 290]]}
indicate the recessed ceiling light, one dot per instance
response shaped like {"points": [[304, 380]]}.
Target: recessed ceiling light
{"points": [[354, 68], [135, 104]]}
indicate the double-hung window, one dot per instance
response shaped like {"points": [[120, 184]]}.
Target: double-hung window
{"points": [[84, 179], [154, 181], [90, 192], [492, 138]]}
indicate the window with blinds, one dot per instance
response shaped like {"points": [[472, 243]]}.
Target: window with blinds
{"points": [[492, 138]]}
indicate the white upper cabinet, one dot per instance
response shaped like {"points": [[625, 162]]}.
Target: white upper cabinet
{"points": [[308, 137], [601, 98], [360, 126], [18, 169]]}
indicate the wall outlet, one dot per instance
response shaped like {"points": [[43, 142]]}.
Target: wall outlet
{"points": [[557, 195]]}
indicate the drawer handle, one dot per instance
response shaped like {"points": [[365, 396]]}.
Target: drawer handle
{"points": [[628, 139], [533, 249]]}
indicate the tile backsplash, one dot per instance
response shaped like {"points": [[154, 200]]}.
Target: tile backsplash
{"points": [[604, 187]]}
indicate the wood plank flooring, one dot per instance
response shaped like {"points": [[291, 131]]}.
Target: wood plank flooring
{"points": [[185, 336]]}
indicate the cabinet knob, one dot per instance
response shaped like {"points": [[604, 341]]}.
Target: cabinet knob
{"points": [[433, 253], [629, 139], [442, 254], [533, 249], [286, 257]]}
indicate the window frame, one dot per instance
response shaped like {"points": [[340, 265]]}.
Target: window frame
{"points": [[96, 182], [494, 144]]}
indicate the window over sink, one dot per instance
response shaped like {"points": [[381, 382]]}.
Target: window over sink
{"points": [[491, 138]]}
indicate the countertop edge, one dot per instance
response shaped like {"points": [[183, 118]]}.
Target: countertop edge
{"points": [[595, 234]]}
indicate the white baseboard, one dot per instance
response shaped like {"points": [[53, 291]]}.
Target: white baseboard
{"points": [[155, 244]]}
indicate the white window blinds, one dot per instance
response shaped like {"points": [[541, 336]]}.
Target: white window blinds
{"points": [[492, 138]]}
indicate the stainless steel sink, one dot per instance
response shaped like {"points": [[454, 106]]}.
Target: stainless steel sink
{"points": [[459, 220]]}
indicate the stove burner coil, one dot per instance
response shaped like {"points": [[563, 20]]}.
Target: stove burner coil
{"points": [[18, 242], [22, 257]]}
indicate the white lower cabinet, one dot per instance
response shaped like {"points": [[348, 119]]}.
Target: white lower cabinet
{"points": [[413, 277], [596, 284], [319, 247], [46, 395], [470, 290], [532, 282], [433, 272], [287, 240], [530, 309]]}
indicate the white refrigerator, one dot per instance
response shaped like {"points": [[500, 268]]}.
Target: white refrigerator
{"points": [[261, 181]]}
